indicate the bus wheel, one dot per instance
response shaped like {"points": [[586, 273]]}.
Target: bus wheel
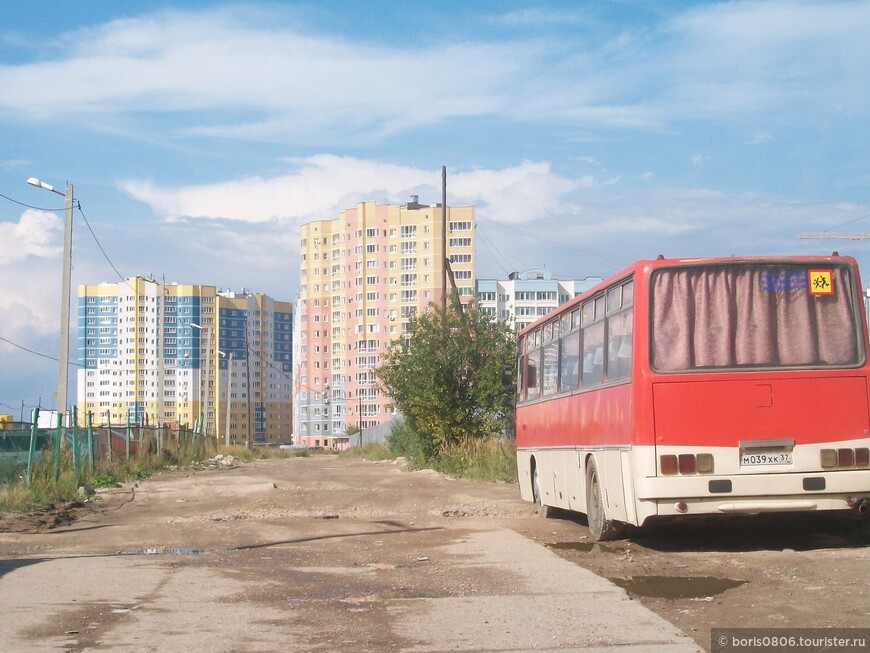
{"points": [[543, 511], [602, 528]]}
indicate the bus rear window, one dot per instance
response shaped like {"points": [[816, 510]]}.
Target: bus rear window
{"points": [[753, 315]]}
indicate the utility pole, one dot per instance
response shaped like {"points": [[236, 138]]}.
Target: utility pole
{"points": [[64, 300], [63, 351], [444, 238]]}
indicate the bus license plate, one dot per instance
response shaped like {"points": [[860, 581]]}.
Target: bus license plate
{"points": [[765, 458]]}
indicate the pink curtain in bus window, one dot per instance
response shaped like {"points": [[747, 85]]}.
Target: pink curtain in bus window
{"points": [[750, 316]]}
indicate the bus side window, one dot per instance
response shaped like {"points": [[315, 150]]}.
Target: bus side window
{"points": [[593, 354], [570, 362], [619, 346], [551, 367], [533, 390]]}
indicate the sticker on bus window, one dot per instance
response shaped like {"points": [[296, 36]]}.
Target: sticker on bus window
{"points": [[821, 282], [772, 281]]}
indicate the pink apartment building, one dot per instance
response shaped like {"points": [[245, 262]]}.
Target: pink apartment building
{"points": [[363, 276]]}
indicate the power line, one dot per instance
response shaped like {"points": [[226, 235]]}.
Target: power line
{"points": [[505, 265], [97, 241], [78, 205], [29, 206], [35, 353], [613, 264]]}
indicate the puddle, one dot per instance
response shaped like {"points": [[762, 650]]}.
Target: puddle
{"points": [[585, 547], [676, 587], [173, 551]]}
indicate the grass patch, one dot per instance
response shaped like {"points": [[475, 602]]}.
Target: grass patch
{"points": [[371, 451], [51, 485], [490, 459]]}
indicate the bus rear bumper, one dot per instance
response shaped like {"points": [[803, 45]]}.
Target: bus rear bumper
{"points": [[748, 494]]}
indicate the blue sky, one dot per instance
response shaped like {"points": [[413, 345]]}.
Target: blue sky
{"points": [[200, 135]]}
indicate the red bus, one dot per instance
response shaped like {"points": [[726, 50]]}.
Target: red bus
{"points": [[699, 387]]}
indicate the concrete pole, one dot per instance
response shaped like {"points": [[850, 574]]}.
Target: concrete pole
{"points": [[63, 355]]}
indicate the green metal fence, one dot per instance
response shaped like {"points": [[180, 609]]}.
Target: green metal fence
{"points": [[23, 445]]}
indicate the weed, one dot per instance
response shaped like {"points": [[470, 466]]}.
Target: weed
{"points": [[370, 451], [489, 459], [418, 448]]}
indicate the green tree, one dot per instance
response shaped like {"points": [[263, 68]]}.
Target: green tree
{"points": [[446, 378]]}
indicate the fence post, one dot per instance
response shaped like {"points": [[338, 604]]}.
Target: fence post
{"points": [[58, 441], [32, 450], [109, 435], [128, 435], [90, 426], [77, 453], [195, 443]]}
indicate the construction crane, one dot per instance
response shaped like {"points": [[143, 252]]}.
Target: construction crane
{"points": [[837, 235], [833, 235]]}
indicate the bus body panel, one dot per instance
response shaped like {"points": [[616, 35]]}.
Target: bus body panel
{"points": [[723, 412], [601, 418]]}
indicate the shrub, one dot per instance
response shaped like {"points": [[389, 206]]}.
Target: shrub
{"points": [[419, 448]]}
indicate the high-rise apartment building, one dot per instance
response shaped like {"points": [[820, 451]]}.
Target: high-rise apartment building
{"points": [[525, 296], [156, 353], [363, 277]]}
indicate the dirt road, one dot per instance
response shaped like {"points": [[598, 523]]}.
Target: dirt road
{"points": [[332, 554]]}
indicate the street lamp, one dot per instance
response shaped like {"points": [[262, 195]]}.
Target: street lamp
{"points": [[203, 368], [229, 357], [63, 353]]}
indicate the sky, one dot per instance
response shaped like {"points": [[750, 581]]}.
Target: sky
{"points": [[199, 136]]}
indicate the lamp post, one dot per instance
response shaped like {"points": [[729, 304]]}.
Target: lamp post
{"points": [[248, 435], [63, 352], [203, 368], [229, 392]]}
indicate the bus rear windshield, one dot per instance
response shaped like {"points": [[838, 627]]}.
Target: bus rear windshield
{"points": [[753, 315]]}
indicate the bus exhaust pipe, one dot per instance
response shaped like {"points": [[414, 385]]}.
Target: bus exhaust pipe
{"points": [[863, 507]]}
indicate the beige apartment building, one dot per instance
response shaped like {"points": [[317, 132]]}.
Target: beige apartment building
{"points": [[363, 277], [155, 353]]}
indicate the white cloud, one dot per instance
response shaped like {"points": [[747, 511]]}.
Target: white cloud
{"points": [[278, 77], [318, 188], [522, 193], [324, 185], [244, 73], [37, 233], [759, 137]]}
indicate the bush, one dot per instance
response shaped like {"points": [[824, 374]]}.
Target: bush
{"points": [[105, 479], [418, 448]]}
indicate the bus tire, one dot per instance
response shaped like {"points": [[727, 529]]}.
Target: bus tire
{"points": [[602, 528], [543, 510]]}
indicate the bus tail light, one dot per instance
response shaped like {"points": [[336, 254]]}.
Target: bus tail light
{"points": [[686, 463], [830, 458], [668, 464]]}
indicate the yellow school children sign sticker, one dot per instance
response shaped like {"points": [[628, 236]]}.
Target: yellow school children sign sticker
{"points": [[821, 282]]}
